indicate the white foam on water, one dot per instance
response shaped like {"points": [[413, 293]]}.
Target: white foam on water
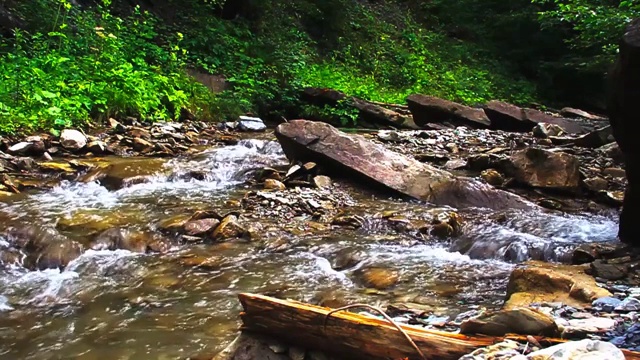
{"points": [[222, 168], [101, 259], [4, 304], [314, 268], [434, 254], [547, 235]]}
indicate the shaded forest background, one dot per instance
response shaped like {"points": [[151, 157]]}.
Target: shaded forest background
{"points": [[77, 62]]}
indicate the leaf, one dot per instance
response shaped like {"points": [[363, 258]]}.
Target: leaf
{"points": [[48, 94]]}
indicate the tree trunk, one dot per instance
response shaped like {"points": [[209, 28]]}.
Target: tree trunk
{"points": [[353, 336]]}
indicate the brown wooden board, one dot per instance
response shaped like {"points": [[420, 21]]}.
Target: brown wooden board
{"points": [[353, 336]]}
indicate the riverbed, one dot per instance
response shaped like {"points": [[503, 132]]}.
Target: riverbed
{"points": [[119, 304]]}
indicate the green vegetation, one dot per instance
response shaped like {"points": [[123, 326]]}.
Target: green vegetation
{"points": [[92, 65], [74, 65]]}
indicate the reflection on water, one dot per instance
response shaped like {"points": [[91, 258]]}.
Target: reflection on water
{"points": [[123, 305]]}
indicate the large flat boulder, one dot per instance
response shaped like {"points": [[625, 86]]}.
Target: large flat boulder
{"points": [[538, 282], [544, 169], [433, 110], [353, 155], [509, 117], [380, 115]]}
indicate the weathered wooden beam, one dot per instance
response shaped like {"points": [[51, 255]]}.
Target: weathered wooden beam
{"points": [[353, 336]]}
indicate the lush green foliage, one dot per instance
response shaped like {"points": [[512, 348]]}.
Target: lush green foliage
{"points": [[92, 65], [596, 24], [378, 53], [74, 64]]}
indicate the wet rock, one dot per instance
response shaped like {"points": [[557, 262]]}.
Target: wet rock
{"points": [[506, 350], [389, 135], [296, 353], [586, 253], [346, 258], [522, 321], [596, 184], [25, 164], [455, 164], [72, 139], [174, 224], [32, 238], [344, 154], [251, 347], [482, 162], [628, 304], [536, 282], [134, 241], [57, 255], [575, 350], [544, 130], [492, 177], [504, 116], [378, 278], [272, 184], [606, 304], [614, 198], [200, 227], [544, 169], [138, 132], [229, 228], [429, 109], [614, 172], [596, 138], [268, 173], [21, 148], [57, 167], [322, 96], [117, 174], [8, 184], [577, 113], [445, 228], [97, 147], [116, 126], [247, 123], [380, 115], [612, 151], [629, 338], [141, 145], [600, 268], [576, 328], [353, 221], [10, 257], [322, 181]]}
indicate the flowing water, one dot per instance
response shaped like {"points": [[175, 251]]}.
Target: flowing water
{"points": [[124, 305]]}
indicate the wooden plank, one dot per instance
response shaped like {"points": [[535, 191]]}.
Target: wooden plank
{"points": [[355, 336]]}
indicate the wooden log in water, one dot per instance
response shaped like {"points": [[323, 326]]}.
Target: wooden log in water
{"points": [[353, 336]]}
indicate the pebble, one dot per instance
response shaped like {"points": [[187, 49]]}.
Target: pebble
{"points": [[606, 304], [629, 304]]}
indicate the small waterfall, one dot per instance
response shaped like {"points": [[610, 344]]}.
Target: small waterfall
{"points": [[221, 169], [520, 236]]}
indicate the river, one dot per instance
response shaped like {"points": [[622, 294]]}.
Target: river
{"points": [[124, 305]]}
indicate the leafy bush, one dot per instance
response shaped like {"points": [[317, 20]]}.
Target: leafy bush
{"points": [[92, 66]]}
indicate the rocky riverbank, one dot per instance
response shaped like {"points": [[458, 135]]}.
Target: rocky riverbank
{"points": [[460, 177]]}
